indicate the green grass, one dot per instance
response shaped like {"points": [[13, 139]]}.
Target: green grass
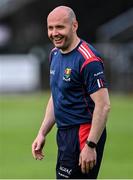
{"points": [[20, 119], [118, 157]]}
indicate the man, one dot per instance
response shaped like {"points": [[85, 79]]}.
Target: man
{"points": [[79, 102]]}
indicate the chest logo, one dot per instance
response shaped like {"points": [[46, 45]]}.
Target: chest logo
{"points": [[67, 74]]}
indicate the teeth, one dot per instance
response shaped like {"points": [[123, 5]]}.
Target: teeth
{"points": [[57, 39]]}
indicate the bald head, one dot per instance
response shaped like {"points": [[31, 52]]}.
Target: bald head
{"points": [[63, 11], [62, 28]]}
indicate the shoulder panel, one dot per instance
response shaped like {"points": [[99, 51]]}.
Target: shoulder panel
{"points": [[51, 53], [88, 54]]}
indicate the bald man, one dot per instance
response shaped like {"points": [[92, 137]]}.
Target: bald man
{"points": [[79, 102]]}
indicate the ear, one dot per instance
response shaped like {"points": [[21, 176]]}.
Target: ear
{"points": [[75, 26]]}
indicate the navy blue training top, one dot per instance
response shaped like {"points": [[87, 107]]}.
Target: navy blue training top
{"points": [[73, 77]]}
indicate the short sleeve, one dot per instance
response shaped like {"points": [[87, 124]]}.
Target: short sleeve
{"points": [[93, 76], [53, 51]]}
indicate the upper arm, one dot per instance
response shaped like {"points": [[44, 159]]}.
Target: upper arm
{"points": [[101, 97], [51, 100]]}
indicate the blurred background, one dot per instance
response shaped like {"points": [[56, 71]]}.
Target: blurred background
{"points": [[24, 81]]}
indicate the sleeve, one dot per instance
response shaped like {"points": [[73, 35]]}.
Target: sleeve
{"points": [[93, 77], [51, 55]]}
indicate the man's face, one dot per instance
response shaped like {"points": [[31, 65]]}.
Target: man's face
{"points": [[60, 31]]}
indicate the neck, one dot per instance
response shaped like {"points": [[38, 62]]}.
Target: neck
{"points": [[72, 46]]}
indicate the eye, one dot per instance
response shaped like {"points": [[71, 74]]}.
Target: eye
{"points": [[60, 27], [50, 28]]}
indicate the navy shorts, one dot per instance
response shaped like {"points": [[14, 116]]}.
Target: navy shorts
{"points": [[70, 142]]}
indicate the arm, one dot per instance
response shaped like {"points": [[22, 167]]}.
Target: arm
{"points": [[47, 124], [102, 107], [88, 155]]}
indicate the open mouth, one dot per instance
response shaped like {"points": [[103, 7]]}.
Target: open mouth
{"points": [[58, 40]]}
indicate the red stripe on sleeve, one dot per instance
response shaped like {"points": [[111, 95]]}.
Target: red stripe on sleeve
{"points": [[101, 82]]}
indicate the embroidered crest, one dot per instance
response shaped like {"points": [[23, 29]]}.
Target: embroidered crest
{"points": [[67, 74]]}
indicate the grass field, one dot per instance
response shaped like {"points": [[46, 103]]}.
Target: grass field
{"points": [[20, 119]]}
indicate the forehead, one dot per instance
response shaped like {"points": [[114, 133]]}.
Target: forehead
{"points": [[57, 18]]}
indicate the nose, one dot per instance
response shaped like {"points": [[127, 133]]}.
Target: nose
{"points": [[55, 32]]}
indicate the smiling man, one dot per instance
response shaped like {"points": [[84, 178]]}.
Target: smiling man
{"points": [[79, 102], [62, 27]]}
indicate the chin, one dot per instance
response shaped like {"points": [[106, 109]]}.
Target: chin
{"points": [[58, 46]]}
